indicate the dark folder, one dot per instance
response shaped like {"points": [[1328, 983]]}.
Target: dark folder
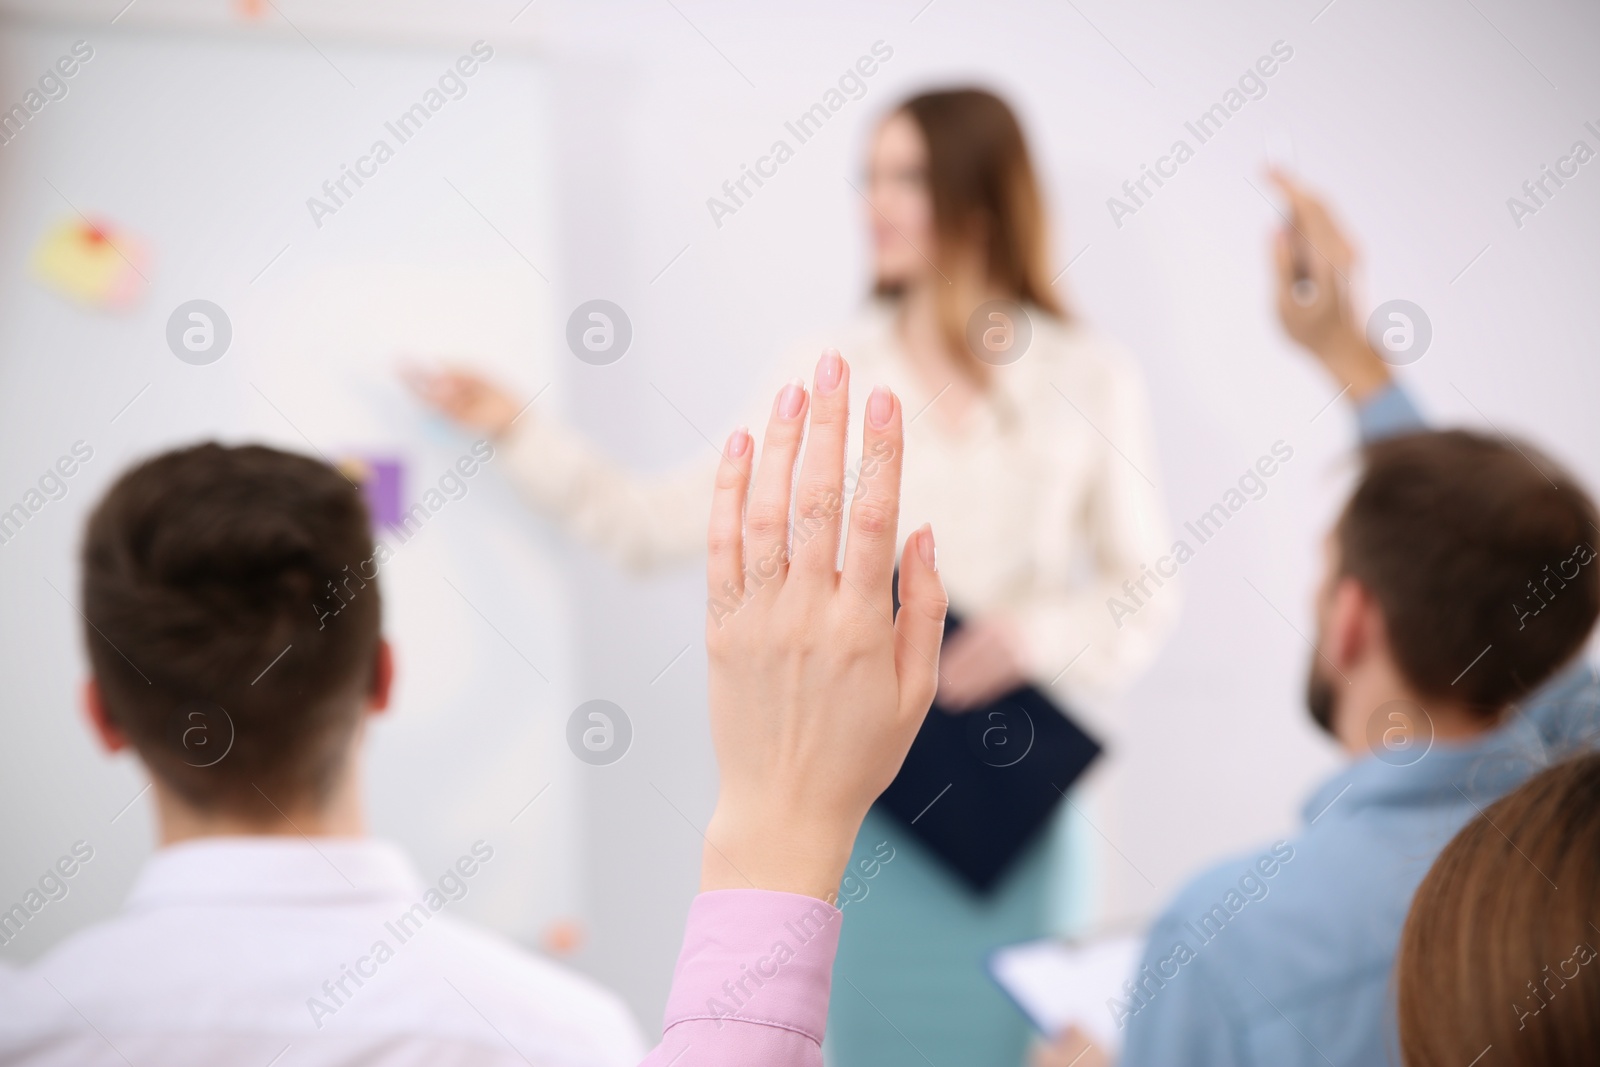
{"points": [[978, 787]]}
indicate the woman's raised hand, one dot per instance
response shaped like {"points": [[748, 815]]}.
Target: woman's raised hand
{"points": [[817, 684]]}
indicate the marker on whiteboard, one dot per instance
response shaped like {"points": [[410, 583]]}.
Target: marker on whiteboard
{"points": [[1279, 148]]}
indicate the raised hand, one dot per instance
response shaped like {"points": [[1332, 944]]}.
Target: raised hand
{"points": [[465, 396], [1314, 262], [817, 685]]}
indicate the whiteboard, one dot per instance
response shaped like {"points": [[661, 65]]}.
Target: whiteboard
{"points": [[207, 146]]}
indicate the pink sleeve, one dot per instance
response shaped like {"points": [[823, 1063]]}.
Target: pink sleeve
{"points": [[752, 982]]}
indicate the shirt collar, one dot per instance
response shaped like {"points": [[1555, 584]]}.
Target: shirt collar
{"points": [[997, 407], [1567, 709], [1480, 772], [274, 870]]}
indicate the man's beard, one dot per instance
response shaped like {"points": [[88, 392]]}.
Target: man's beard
{"points": [[1320, 698]]}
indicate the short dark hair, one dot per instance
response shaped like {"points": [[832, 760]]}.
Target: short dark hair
{"points": [[1499, 947], [1478, 550], [203, 572]]}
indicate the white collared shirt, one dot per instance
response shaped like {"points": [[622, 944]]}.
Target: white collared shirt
{"points": [[256, 951]]}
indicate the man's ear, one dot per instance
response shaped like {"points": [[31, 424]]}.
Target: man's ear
{"points": [[382, 678], [1354, 624], [112, 739]]}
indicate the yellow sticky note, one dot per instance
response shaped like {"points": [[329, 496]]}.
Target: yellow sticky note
{"points": [[94, 264]]}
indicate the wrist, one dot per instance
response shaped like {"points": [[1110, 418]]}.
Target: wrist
{"points": [[1352, 361], [501, 428], [787, 852], [1019, 654]]}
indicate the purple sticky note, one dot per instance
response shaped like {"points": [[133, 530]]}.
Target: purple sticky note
{"points": [[380, 481]]}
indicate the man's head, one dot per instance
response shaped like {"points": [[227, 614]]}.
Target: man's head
{"points": [[1460, 572], [213, 579]]}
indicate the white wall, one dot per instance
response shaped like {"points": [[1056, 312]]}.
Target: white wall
{"points": [[1420, 122]]}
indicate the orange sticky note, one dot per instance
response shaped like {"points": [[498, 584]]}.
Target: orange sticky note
{"points": [[92, 263]]}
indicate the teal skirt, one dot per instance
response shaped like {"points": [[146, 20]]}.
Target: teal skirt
{"points": [[911, 986]]}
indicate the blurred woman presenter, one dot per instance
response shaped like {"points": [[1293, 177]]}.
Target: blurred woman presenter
{"points": [[1028, 447]]}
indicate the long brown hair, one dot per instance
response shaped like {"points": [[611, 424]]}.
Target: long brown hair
{"points": [[982, 184], [1500, 958]]}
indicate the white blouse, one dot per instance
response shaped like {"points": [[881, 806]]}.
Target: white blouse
{"points": [[1043, 503]]}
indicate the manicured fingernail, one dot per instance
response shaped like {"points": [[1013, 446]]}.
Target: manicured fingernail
{"points": [[880, 407], [738, 441], [791, 398], [930, 554], [830, 371]]}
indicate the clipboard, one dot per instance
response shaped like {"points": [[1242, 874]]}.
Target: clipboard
{"points": [[978, 787], [1057, 984]]}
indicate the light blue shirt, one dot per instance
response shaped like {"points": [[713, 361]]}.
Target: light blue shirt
{"points": [[1388, 413], [1282, 956]]}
